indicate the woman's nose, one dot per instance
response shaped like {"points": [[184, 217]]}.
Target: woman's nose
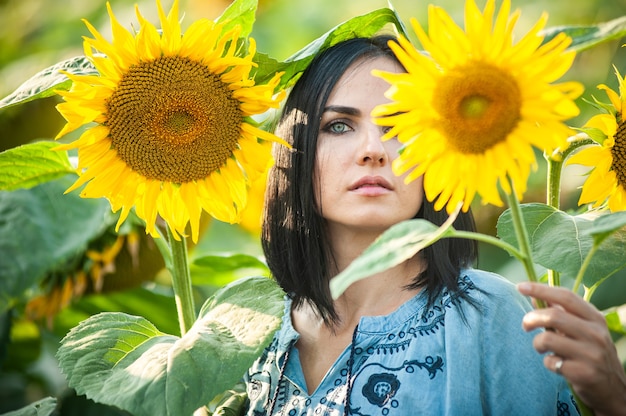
{"points": [[372, 149]]}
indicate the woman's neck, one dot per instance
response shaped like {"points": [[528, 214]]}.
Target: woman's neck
{"points": [[379, 294]]}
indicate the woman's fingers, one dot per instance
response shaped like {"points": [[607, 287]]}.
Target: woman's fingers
{"points": [[578, 346], [570, 301]]}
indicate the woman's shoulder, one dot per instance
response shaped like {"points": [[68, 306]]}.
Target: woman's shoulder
{"points": [[493, 292], [487, 282]]}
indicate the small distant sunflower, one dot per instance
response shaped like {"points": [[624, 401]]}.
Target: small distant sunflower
{"points": [[173, 132], [470, 109], [607, 179]]}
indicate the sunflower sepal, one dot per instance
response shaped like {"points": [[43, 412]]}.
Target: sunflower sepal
{"points": [[597, 135]]}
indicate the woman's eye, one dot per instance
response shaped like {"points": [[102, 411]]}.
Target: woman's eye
{"points": [[337, 127], [386, 129]]}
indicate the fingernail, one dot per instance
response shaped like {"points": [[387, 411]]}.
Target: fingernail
{"points": [[524, 287]]}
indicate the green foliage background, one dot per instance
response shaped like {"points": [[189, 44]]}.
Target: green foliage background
{"points": [[35, 34]]}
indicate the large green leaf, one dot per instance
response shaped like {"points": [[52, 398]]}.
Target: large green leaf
{"points": [[44, 83], [586, 37], [43, 407], [361, 26], [41, 230], [397, 244], [561, 242], [124, 360], [158, 308], [32, 164]]}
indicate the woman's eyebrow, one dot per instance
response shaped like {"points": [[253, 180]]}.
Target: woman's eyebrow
{"points": [[342, 110]]}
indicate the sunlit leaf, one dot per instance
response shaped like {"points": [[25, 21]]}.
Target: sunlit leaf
{"points": [[561, 242], [397, 244], [124, 360], [32, 164], [586, 37], [361, 26], [240, 12], [616, 319], [43, 84]]}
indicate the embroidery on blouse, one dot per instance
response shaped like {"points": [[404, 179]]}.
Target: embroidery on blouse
{"points": [[380, 388], [382, 384], [563, 408]]}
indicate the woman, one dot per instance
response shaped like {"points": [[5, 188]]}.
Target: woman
{"points": [[429, 336]]}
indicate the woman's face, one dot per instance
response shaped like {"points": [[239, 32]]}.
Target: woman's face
{"points": [[354, 184]]}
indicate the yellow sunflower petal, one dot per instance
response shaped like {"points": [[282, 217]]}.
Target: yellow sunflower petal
{"points": [[171, 38], [148, 41], [617, 201]]}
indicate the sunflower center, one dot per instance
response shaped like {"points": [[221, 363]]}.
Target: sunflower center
{"points": [[173, 120], [179, 122], [479, 105], [618, 151]]}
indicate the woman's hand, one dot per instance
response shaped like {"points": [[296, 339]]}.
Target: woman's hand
{"points": [[581, 347]]}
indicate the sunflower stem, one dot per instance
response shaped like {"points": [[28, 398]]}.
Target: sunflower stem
{"points": [[485, 238], [553, 198], [522, 236], [553, 192], [181, 282], [164, 248]]}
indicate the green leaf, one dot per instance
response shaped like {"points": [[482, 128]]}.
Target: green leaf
{"points": [[43, 407], [606, 225], [32, 164], [360, 26], [397, 244], [594, 134], [240, 12], [561, 242], [42, 230], [586, 37], [219, 270], [229, 263], [616, 319], [123, 360], [231, 403], [157, 308], [44, 83]]}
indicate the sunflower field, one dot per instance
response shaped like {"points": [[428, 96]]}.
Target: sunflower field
{"points": [[136, 140]]}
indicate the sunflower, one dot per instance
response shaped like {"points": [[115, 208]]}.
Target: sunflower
{"points": [[607, 179], [173, 132], [251, 216], [470, 109]]}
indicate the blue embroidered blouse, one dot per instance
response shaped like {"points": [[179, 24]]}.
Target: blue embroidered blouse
{"points": [[450, 359]]}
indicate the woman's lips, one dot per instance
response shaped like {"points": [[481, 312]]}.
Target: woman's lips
{"points": [[371, 185]]}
